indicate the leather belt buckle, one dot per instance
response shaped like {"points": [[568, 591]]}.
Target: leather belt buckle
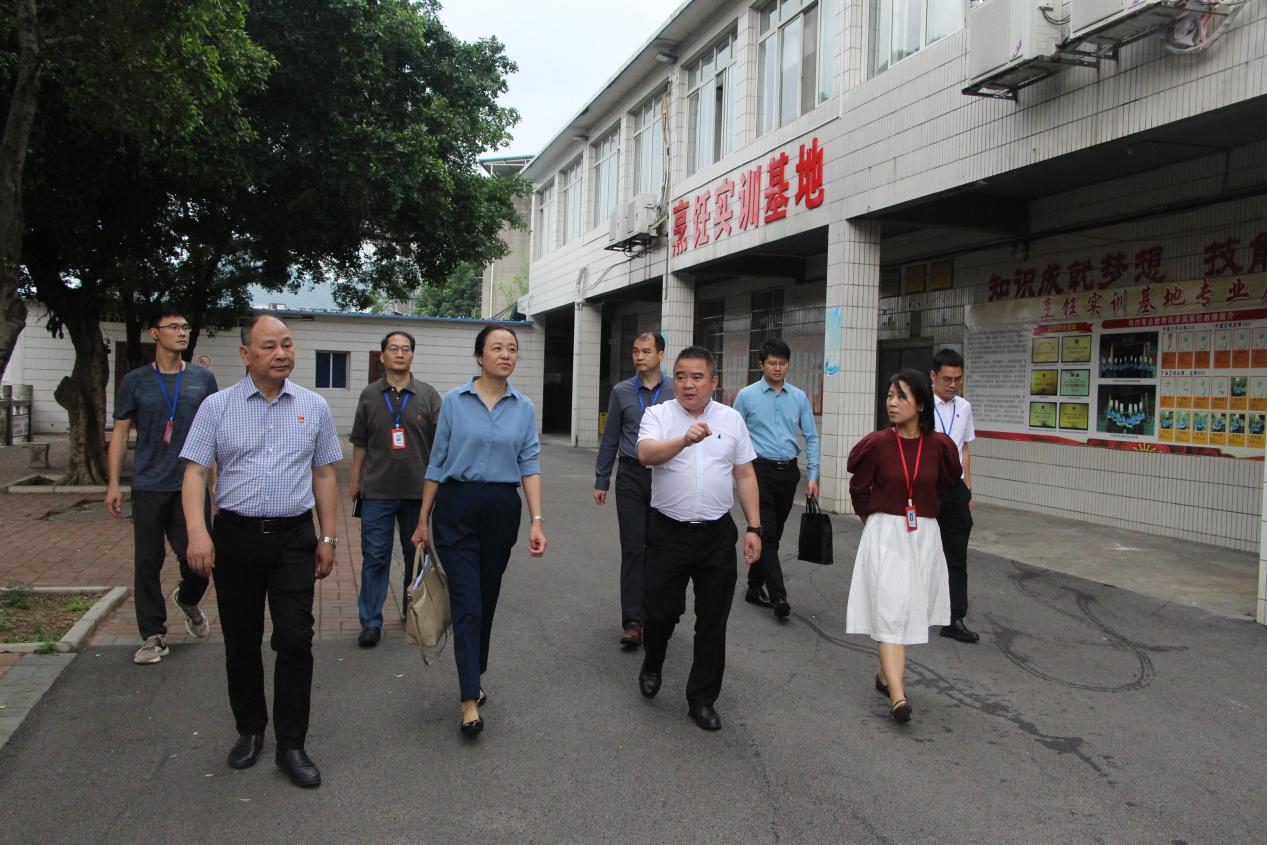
{"points": [[271, 526]]}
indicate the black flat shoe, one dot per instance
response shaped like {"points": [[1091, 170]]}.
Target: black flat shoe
{"points": [[756, 597], [482, 700], [781, 608], [901, 711], [881, 687], [246, 751], [301, 771], [958, 631], [705, 716], [473, 727], [369, 637], [648, 683]]}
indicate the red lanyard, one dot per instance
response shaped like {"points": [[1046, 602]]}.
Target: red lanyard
{"points": [[910, 479]]}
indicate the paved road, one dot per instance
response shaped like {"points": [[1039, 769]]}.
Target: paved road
{"points": [[1086, 714]]}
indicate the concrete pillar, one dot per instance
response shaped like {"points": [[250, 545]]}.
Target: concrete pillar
{"points": [[677, 314], [586, 339], [849, 352], [1262, 557]]}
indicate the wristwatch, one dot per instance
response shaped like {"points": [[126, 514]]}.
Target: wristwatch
{"points": [[756, 529], [333, 541]]}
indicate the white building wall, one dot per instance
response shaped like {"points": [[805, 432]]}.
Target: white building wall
{"points": [[444, 357]]}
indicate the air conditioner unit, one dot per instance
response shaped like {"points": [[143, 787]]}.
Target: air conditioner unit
{"points": [[1011, 44], [646, 211], [1117, 22], [620, 226]]}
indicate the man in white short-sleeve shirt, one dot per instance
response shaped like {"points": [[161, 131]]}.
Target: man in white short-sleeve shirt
{"points": [[952, 416], [698, 450]]}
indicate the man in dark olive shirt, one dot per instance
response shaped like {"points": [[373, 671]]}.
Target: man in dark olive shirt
{"points": [[629, 399], [392, 433]]}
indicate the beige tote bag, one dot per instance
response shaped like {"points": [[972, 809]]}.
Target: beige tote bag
{"points": [[428, 618]]}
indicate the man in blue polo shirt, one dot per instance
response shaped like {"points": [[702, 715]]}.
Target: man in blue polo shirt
{"points": [[774, 411]]}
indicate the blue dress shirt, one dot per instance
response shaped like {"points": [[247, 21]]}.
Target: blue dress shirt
{"points": [[266, 450], [773, 417], [474, 444]]}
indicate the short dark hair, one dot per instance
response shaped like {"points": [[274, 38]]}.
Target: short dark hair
{"points": [[389, 336], [248, 325], [655, 336], [697, 353], [164, 312], [777, 347], [486, 331], [947, 358], [921, 393]]}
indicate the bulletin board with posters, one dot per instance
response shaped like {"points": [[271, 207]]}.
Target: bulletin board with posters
{"points": [[1179, 367]]}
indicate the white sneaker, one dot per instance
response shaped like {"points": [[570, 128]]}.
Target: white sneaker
{"points": [[151, 651], [195, 622]]}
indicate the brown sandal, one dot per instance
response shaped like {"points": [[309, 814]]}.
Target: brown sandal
{"points": [[881, 687], [901, 711]]}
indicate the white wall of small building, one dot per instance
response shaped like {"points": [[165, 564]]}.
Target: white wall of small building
{"points": [[444, 357]]}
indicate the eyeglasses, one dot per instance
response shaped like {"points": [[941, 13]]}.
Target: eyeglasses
{"points": [[394, 349], [177, 327], [951, 379]]}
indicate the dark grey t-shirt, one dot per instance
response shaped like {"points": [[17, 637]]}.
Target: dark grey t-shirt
{"points": [[157, 466]]}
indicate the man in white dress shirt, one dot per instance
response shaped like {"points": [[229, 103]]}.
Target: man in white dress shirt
{"points": [[698, 450], [952, 416]]}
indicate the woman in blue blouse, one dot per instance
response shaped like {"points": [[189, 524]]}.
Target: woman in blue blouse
{"points": [[486, 445]]}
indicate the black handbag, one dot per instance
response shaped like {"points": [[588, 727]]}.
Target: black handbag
{"points": [[814, 544]]}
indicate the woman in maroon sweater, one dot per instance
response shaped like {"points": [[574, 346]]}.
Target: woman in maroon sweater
{"points": [[900, 586]]}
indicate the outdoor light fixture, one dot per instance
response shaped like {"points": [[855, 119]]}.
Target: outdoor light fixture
{"points": [[665, 57]]}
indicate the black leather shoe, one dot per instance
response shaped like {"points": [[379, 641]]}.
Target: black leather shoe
{"points": [[482, 700], [757, 597], [297, 766], [705, 716], [958, 631], [473, 727], [781, 608], [246, 751], [648, 683], [369, 637]]}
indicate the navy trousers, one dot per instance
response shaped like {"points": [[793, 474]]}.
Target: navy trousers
{"points": [[474, 525]]}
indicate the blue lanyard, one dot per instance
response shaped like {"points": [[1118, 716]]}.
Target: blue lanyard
{"points": [[655, 397], [170, 401], [953, 411], [395, 414]]}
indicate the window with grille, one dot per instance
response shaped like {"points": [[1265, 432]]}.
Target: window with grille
{"points": [[628, 331], [766, 324], [710, 333]]}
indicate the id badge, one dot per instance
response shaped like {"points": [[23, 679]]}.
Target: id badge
{"points": [[167, 433], [910, 518], [398, 438]]}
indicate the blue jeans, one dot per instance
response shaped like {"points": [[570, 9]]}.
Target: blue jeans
{"points": [[378, 516]]}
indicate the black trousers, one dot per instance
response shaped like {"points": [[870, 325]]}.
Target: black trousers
{"points": [[955, 521], [678, 552], [633, 506], [776, 483], [278, 566], [474, 525], [155, 516]]}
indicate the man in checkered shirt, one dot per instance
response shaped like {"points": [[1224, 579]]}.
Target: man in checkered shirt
{"points": [[277, 449]]}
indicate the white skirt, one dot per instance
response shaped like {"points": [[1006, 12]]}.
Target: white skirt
{"points": [[900, 584]]}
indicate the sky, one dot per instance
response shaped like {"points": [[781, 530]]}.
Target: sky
{"points": [[565, 50]]}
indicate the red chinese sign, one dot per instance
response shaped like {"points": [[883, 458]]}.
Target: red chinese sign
{"points": [[764, 194]]}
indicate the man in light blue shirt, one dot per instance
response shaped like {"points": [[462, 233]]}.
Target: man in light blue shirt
{"points": [[774, 412]]}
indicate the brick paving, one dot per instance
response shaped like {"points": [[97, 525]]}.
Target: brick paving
{"points": [[68, 539]]}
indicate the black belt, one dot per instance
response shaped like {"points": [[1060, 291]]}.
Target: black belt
{"points": [[630, 461], [692, 524], [266, 525], [776, 464]]}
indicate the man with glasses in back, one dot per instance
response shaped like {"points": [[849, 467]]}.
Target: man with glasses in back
{"points": [[160, 399], [952, 416], [392, 433]]}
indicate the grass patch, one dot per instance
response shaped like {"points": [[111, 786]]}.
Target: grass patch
{"points": [[30, 617]]}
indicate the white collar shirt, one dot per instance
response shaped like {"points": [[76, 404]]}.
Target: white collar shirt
{"points": [[954, 419], [697, 485]]}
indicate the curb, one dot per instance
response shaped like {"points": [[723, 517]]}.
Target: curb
{"points": [[74, 639]]}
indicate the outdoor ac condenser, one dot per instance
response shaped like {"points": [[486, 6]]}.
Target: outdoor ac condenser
{"points": [[621, 226], [1119, 21], [1004, 36], [646, 211]]}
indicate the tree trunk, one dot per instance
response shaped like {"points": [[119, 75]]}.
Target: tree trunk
{"points": [[17, 133], [83, 395], [132, 333]]}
